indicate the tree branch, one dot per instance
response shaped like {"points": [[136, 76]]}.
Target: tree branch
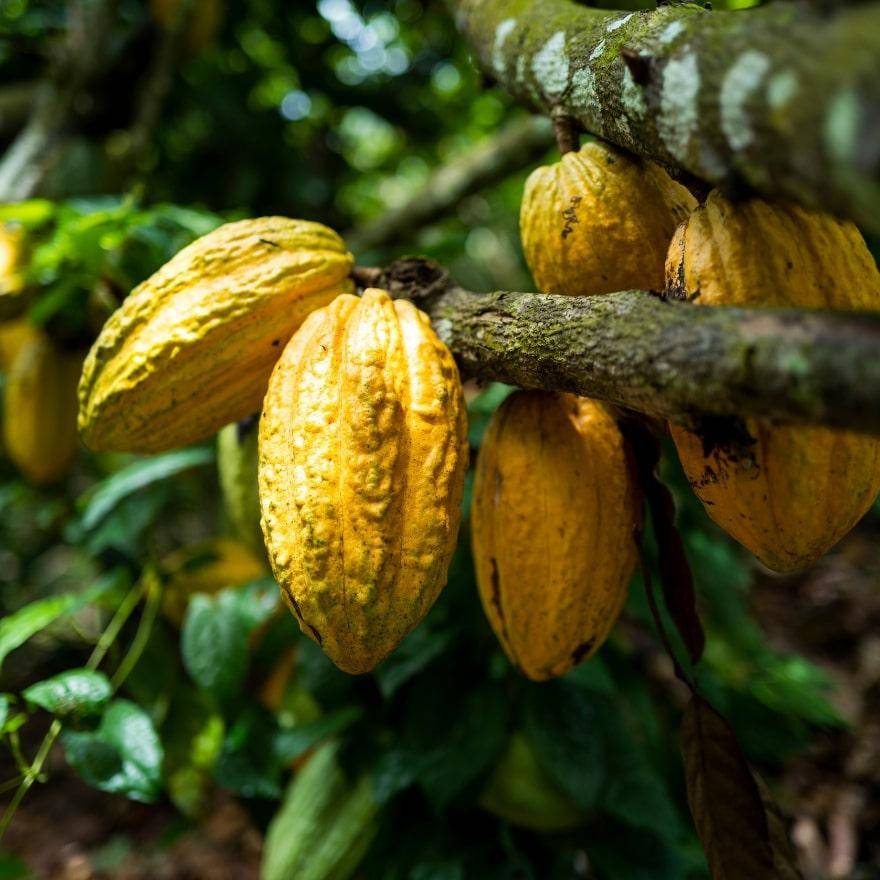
{"points": [[80, 59], [779, 97], [671, 360], [514, 146]]}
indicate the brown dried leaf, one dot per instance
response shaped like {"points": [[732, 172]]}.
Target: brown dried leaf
{"points": [[724, 797]]}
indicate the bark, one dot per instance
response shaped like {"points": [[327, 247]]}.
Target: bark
{"points": [[671, 360], [513, 147], [782, 98]]}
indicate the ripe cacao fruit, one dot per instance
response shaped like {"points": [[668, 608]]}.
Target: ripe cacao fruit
{"points": [[521, 792], [363, 453], [237, 470], [324, 825], [13, 290], [191, 348], [207, 567], [39, 409], [553, 515], [788, 493], [14, 335], [600, 220]]}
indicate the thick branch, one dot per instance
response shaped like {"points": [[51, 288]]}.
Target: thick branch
{"points": [[672, 360], [779, 96], [514, 147]]}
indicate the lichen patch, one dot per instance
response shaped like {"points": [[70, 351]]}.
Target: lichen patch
{"points": [[550, 66], [741, 82], [670, 32], [583, 87], [631, 97], [781, 88], [842, 126], [616, 23], [679, 116], [502, 32]]}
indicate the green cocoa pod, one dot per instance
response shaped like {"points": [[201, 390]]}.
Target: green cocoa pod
{"points": [[324, 825], [520, 792], [237, 470]]}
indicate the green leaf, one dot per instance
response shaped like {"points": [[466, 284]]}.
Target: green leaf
{"points": [[5, 706], [30, 214], [564, 725], [414, 653], [17, 628], [107, 494], [214, 638], [123, 756], [213, 643], [248, 763], [76, 692], [13, 868], [290, 744]]}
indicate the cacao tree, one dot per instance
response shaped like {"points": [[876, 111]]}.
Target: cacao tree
{"points": [[378, 497]]}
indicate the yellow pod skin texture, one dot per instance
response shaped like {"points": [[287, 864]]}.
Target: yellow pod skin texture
{"points": [[39, 410], [192, 347], [553, 519], [788, 493], [599, 221], [363, 452]]}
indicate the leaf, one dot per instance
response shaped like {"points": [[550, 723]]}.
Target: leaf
{"points": [[76, 692], [248, 763], [414, 653], [291, 743], [103, 497], [563, 723], [17, 628], [213, 643], [675, 573], [214, 638], [723, 797], [784, 858], [124, 755]]}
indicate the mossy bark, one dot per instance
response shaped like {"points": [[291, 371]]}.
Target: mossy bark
{"points": [[780, 98], [671, 360]]}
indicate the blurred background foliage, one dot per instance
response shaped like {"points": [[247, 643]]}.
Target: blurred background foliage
{"points": [[140, 618]]}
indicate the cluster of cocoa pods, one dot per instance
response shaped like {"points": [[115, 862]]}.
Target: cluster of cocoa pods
{"points": [[361, 450]]}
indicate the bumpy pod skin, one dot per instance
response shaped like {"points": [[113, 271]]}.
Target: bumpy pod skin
{"points": [[237, 471], [363, 452], [39, 410], [553, 515], [787, 493], [192, 348], [599, 221]]}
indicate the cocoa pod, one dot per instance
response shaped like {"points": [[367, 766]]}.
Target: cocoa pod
{"points": [[600, 220], [237, 470], [363, 453], [787, 493], [39, 409], [554, 513], [192, 347]]}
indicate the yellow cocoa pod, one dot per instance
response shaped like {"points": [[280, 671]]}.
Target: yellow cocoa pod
{"points": [[39, 409], [554, 510], [787, 493], [600, 220], [13, 255], [363, 452], [237, 470], [192, 347], [14, 335], [521, 792], [206, 567]]}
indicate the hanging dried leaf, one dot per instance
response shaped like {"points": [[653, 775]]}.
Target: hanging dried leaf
{"points": [[675, 572], [724, 798]]}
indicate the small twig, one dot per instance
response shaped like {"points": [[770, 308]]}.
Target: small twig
{"points": [[567, 132]]}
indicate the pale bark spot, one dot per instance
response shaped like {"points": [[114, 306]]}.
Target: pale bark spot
{"points": [[740, 83]]}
